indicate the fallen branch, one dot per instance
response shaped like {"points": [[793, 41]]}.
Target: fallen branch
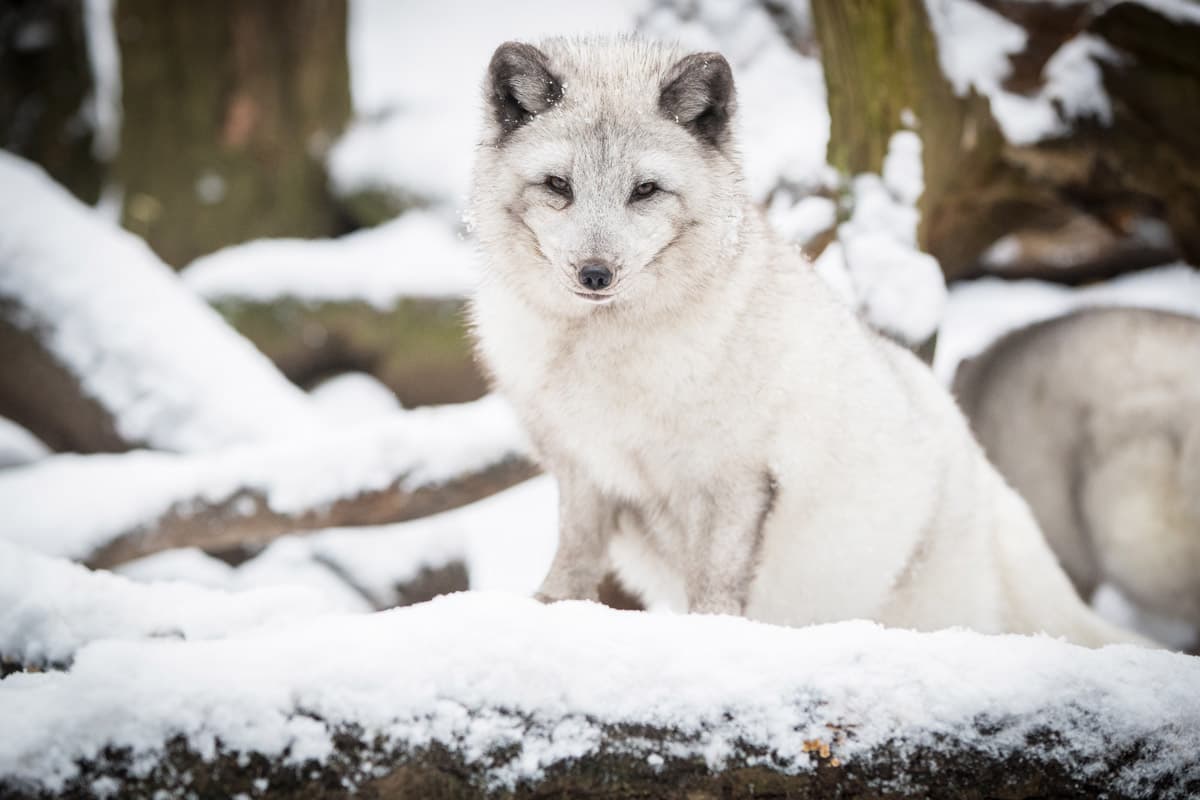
{"points": [[111, 508], [246, 518]]}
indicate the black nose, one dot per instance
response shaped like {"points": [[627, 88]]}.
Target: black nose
{"points": [[595, 275]]}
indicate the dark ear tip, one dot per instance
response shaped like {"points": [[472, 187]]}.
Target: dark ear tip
{"points": [[514, 52]]}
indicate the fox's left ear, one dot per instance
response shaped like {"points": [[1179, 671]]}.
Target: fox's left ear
{"points": [[520, 85], [698, 94]]}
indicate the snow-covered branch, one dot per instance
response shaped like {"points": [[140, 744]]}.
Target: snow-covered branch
{"points": [[112, 508], [110, 349]]}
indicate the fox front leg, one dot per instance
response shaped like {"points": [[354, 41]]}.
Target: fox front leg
{"points": [[724, 547], [584, 529]]}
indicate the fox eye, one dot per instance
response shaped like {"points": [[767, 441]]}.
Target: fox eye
{"points": [[644, 190], [558, 185]]}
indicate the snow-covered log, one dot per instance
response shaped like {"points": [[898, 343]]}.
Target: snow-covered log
{"points": [[388, 300], [486, 694], [107, 509], [104, 349]]}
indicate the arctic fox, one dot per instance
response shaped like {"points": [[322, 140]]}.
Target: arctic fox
{"points": [[1106, 448], [715, 418]]}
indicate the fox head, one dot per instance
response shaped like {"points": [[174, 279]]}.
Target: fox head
{"points": [[608, 175]]}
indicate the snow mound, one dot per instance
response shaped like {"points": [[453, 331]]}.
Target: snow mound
{"points": [[18, 446], [167, 368], [50, 608], [352, 397], [515, 687], [415, 255]]}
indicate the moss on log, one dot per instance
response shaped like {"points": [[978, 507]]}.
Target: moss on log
{"points": [[419, 348]]}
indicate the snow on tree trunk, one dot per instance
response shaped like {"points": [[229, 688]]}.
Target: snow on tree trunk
{"points": [[110, 350], [1034, 119], [229, 107]]}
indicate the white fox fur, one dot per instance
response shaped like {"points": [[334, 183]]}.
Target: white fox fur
{"points": [[715, 418]]}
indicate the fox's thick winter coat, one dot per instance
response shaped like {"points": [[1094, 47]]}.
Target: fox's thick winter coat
{"points": [[721, 427]]}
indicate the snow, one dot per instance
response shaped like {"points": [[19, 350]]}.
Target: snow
{"points": [[102, 496], [18, 446], [514, 687], [416, 74], [974, 46], [782, 114], [167, 368], [899, 289], [799, 221], [980, 312], [354, 397], [104, 57], [413, 137], [505, 542], [50, 609], [414, 255]]}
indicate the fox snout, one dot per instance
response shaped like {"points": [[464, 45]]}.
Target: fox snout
{"points": [[594, 275]]}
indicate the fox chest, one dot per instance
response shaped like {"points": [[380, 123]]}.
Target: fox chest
{"points": [[632, 427]]}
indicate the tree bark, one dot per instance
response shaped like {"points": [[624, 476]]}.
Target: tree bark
{"points": [[45, 85], [42, 396], [1092, 187], [954, 770], [229, 107]]}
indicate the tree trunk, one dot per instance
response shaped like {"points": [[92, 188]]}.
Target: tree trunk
{"points": [[45, 88], [229, 107], [1090, 188]]}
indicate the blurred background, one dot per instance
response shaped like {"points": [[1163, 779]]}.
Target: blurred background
{"points": [[234, 257]]}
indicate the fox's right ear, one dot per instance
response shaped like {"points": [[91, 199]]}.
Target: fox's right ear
{"points": [[520, 85]]}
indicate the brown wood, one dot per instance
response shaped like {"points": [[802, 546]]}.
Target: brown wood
{"points": [[1090, 189], [40, 394]]}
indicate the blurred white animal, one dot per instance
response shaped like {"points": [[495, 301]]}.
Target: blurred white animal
{"points": [[1095, 419], [715, 418]]}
